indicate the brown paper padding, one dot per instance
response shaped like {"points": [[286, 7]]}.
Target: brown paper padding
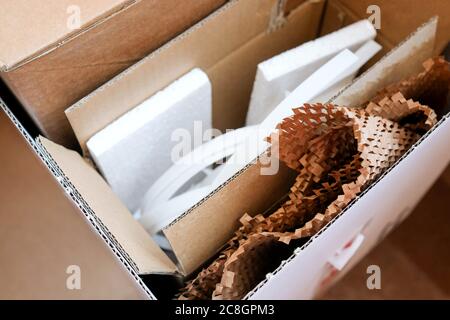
{"points": [[337, 152]]}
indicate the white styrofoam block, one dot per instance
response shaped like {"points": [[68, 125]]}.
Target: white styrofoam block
{"points": [[133, 151], [284, 72]]}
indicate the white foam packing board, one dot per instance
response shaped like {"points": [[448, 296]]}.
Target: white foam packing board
{"points": [[283, 73], [133, 151]]}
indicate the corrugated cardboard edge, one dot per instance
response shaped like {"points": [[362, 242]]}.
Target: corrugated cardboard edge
{"points": [[420, 43], [4, 67], [56, 173], [117, 223]]}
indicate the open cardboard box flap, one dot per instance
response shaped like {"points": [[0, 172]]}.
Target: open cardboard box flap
{"points": [[22, 43], [200, 233], [127, 233]]}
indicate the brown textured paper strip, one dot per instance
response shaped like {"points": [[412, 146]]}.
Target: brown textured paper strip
{"points": [[337, 152]]}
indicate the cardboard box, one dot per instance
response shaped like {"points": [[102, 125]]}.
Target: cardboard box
{"points": [[228, 45], [51, 60]]}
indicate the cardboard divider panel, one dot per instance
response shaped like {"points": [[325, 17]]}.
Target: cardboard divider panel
{"points": [[201, 232], [403, 61]]}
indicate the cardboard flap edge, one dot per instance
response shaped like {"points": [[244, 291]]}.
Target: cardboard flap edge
{"points": [[116, 220]]}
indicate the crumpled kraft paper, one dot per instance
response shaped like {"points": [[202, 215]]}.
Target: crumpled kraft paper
{"points": [[337, 152]]}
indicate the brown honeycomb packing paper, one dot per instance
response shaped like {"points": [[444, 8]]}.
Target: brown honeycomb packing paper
{"points": [[429, 87], [337, 152]]}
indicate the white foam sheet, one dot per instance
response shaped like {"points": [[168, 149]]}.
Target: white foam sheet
{"points": [[133, 151], [320, 81], [283, 73]]}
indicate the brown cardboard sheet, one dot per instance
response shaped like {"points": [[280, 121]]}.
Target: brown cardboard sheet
{"points": [[199, 234], [130, 235], [403, 61]]}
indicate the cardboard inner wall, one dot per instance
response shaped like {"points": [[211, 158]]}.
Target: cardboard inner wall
{"points": [[48, 85], [402, 62], [203, 230], [227, 45]]}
